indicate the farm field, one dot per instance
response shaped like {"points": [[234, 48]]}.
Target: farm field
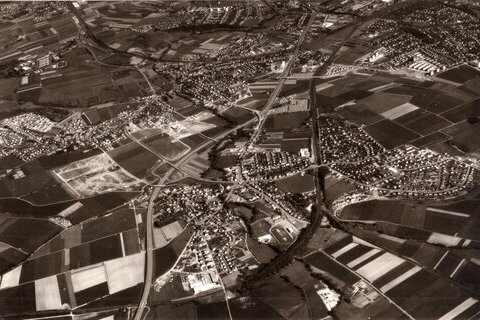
{"points": [[394, 276], [166, 146], [456, 220], [134, 158]]}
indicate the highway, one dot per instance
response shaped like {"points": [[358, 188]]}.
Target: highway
{"points": [[148, 255]]}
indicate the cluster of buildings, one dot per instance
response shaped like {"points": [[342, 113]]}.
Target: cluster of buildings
{"points": [[272, 165], [28, 122], [291, 23], [406, 171], [196, 14], [10, 139], [218, 83], [218, 244], [248, 45], [75, 134], [281, 202], [345, 142], [416, 45]]}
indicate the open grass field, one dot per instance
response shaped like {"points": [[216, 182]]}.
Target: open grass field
{"points": [[48, 195], [323, 263], [238, 115], [430, 139], [464, 111], [17, 300], [166, 146], [10, 257], [391, 134], [96, 251], [457, 219], [52, 161], [334, 188], [359, 114], [26, 234], [462, 134], [262, 252], [281, 297], [45, 266], [118, 221], [26, 185], [294, 144], [460, 74], [104, 112], [194, 140], [128, 296], [8, 87], [98, 204], [134, 158], [381, 102], [406, 90], [296, 183], [21, 208], [166, 256], [287, 120]]}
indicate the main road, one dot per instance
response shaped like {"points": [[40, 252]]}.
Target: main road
{"points": [[148, 255], [262, 115]]}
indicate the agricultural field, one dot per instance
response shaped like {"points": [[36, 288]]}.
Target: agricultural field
{"points": [[349, 261], [74, 267], [397, 110], [458, 219], [165, 146], [134, 158]]}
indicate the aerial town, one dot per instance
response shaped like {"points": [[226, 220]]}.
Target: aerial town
{"points": [[240, 159]]}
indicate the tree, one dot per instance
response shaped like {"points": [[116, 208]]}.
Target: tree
{"points": [[473, 120]]}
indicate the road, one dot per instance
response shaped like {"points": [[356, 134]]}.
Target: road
{"points": [[148, 255], [262, 115]]}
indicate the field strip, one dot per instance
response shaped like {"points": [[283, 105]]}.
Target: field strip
{"points": [[122, 244], [459, 309], [383, 86], [379, 266], [439, 261], [345, 249], [88, 277], [323, 87], [66, 212], [452, 213], [3, 245], [47, 294], [457, 268], [400, 279], [11, 278], [359, 260], [69, 189]]}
